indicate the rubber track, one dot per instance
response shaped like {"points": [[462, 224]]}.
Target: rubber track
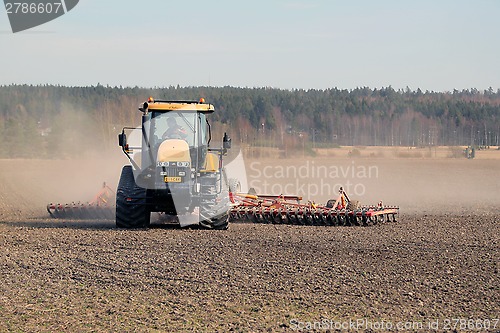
{"points": [[131, 209]]}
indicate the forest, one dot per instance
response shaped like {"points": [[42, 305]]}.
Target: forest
{"points": [[47, 121]]}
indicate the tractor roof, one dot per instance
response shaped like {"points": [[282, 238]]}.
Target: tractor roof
{"points": [[165, 106]]}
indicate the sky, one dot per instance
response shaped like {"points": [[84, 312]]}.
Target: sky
{"points": [[436, 45]]}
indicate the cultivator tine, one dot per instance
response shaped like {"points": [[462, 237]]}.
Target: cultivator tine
{"points": [[78, 211], [315, 219], [312, 217], [341, 219], [278, 217], [306, 218], [357, 217], [320, 218], [295, 218], [248, 216], [318, 215], [266, 217], [275, 215], [279, 209], [49, 210], [54, 210], [348, 219], [331, 220], [254, 217], [100, 208]]}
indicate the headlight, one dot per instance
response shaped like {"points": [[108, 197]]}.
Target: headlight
{"points": [[173, 164]]}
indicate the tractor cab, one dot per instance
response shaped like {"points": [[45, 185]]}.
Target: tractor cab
{"points": [[173, 135], [177, 136], [172, 159]]}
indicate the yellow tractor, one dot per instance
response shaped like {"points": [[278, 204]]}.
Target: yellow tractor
{"points": [[173, 170]]}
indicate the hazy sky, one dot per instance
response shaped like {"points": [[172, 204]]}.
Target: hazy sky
{"points": [[429, 44]]}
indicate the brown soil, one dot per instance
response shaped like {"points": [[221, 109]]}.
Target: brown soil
{"points": [[435, 264]]}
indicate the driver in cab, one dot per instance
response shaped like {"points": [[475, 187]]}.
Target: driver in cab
{"points": [[174, 131]]}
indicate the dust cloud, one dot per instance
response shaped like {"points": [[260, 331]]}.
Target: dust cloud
{"points": [[66, 161], [29, 185], [416, 185]]}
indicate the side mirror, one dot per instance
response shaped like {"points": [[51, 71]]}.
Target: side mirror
{"points": [[226, 142], [122, 139]]}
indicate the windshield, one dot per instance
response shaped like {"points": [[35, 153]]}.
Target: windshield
{"points": [[174, 125], [190, 126], [179, 125]]}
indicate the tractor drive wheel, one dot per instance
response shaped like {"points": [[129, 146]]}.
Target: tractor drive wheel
{"points": [[131, 208]]}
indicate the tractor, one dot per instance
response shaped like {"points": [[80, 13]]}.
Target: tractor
{"points": [[173, 170]]}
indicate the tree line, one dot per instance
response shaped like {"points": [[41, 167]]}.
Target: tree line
{"points": [[48, 120]]}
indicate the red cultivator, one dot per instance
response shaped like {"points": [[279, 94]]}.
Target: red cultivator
{"points": [[288, 210], [101, 207], [254, 208]]}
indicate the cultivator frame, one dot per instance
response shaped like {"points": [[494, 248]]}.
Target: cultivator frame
{"points": [[286, 209], [255, 208], [100, 208]]}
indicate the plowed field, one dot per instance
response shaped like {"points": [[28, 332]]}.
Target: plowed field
{"points": [[434, 270]]}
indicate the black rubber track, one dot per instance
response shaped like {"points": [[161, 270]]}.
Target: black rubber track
{"points": [[131, 208]]}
